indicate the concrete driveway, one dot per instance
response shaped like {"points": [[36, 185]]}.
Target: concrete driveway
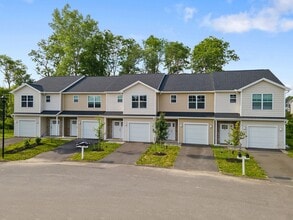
{"points": [[196, 157], [13, 140], [278, 166]]}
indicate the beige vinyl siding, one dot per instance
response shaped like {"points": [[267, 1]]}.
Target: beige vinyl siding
{"points": [[36, 100], [181, 104], [54, 103], [278, 108], [82, 104], [112, 103], [223, 105], [280, 125], [210, 123], [140, 89]]}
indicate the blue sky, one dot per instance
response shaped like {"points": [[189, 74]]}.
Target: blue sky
{"points": [[260, 31]]}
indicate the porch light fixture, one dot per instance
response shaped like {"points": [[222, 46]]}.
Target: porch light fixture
{"points": [[3, 100]]}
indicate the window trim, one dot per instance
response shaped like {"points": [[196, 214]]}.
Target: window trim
{"points": [[233, 100], [172, 100], [27, 101], [196, 101], [262, 101], [75, 100], [48, 99], [142, 104], [94, 102], [120, 98]]}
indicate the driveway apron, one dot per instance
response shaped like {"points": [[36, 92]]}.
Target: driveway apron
{"points": [[277, 165], [128, 153], [196, 157]]}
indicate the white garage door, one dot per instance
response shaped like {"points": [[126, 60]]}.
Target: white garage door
{"points": [[89, 129], [196, 133], [27, 128], [139, 132], [262, 137]]}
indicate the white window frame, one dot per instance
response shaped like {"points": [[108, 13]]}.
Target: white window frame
{"points": [[120, 98], [196, 102], [173, 99], [140, 103], [261, 101], [233, 98], [95, 102], [75, 98], [27, 101], [48, 98]]}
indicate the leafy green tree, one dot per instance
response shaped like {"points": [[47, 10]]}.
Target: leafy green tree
{"points": [[176, 57], [130, 56], [236, 135], [211, 54], [161, 129], [14, 71], [61, 53], [153, 53], [100, 133]]}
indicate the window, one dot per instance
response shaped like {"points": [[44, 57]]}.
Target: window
{"points": [[75, 98], [196, 101], [94, 101], [173, 98], [139, 101], [119, 98], [262, 101], [27, 101], [232, 98], [48, 98]]}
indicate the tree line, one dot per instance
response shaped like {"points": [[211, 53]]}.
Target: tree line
{"points": [[78, 47]]}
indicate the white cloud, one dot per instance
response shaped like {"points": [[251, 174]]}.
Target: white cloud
{"points": [[185, 12], [272, 18]]}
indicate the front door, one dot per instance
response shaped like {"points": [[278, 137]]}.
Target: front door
{"points": [[224, 132], [117, 129], [54, 127], [171, 131], [73, 127]]}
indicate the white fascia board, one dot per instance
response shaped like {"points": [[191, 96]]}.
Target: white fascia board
{"points": [[23, 85], [135, 83], [266, 80]]}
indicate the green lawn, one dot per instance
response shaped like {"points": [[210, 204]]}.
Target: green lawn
{"points": [[16, 151], [229, 164], [90, 154], [7, 133], [290, 150], [151, 159]]}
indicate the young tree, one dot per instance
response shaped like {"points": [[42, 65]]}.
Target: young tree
{"points": [[176, 57], [100, 133], [211, 54], [161, 129], [236, 135], [153, 52]]}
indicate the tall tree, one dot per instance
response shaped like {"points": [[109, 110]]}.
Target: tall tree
{"points": [[62, 50], [153, 53], [211, 54], [14, 71], [176, 57], [130, 56]]}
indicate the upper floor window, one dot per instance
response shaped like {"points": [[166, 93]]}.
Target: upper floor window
{"points": [[75, 98], [94, 101], [139, 101], [262, 101], [232, 98], [196, 101], [119, 98], [48, 98], [173, 98], [27, 101]]}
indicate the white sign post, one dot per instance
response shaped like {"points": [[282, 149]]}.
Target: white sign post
{"points": [[82, 145], [243, 158]]}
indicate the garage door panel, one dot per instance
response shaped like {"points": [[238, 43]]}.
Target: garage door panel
{"points": [[139, 132], [196, 133], [27, 128], [89, 129], [263, 137]]}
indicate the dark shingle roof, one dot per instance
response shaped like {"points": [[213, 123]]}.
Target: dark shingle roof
{"points": [[188, 82], [230, 80], [115, 83], [54, 84]]}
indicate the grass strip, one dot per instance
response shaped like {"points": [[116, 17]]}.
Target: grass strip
{"points": [[229, 164], [150, 157], [91, 154], [47, 144]]}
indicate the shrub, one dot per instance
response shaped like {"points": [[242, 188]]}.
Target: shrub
{"points": [[38, 140], [27, 143]]}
